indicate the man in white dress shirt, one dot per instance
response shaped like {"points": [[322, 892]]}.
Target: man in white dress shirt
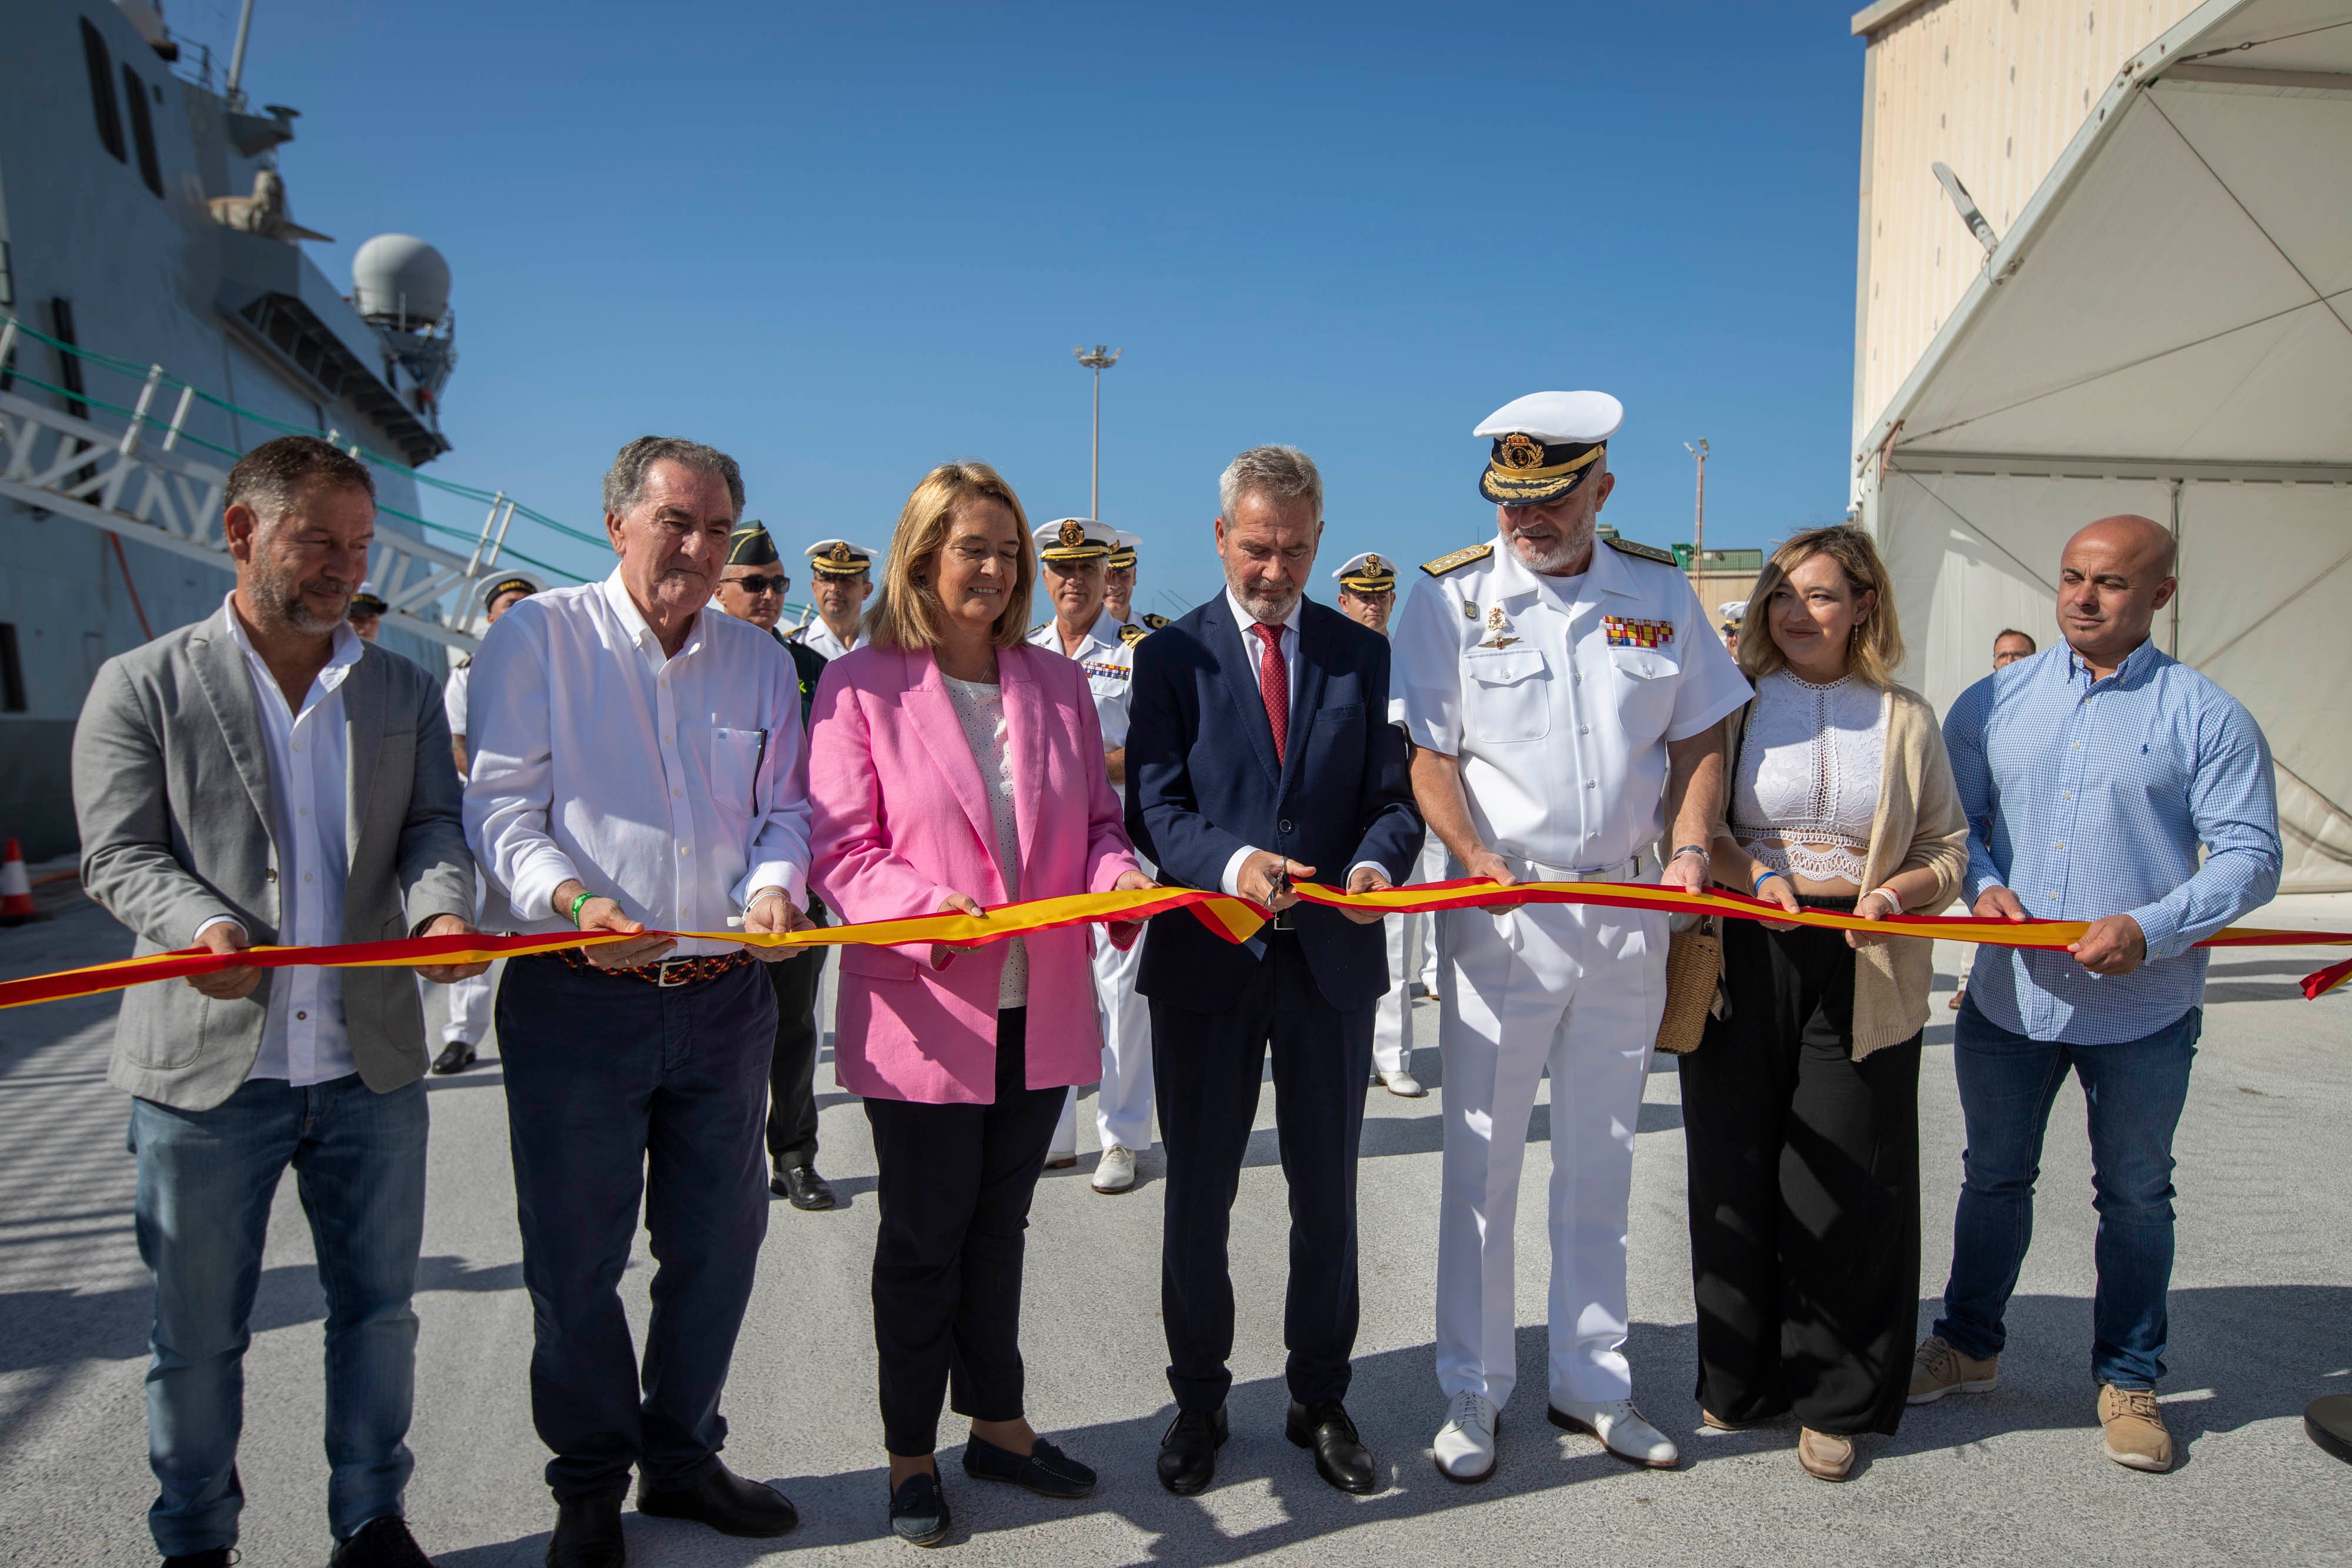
{"points": [[841, 578], [1073, 552], [1368, 597], [1564, 700], [469, 999], [263, 775], [639, 767]]}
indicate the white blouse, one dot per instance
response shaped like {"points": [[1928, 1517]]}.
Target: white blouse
{"points": [[1806, 788], [979, 708]]}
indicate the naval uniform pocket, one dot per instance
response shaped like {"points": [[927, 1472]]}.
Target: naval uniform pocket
{"points": [[1645, 681], [1509, 693]]}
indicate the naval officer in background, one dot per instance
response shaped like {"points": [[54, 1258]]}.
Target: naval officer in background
{"points": [[1564, 699], [1118, 584], [752, 587], [468, 1021], [841, 578], [1074, 552], [1368, 597]]}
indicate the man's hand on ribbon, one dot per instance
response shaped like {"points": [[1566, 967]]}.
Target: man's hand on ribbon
{"points": [[1266, 880], [225, 984], [1366, 878], [772, 914], [2114, 946], [604, 914], [444, 974], [1487, 863]]}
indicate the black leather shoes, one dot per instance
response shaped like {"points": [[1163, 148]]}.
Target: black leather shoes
{"points": [[382, 1542], [1188, 1450], [455, 1057], [725, 1502], [919, 1510], [588, 1533], [1043, 1469], [801, 1186], [1340, 1457]]}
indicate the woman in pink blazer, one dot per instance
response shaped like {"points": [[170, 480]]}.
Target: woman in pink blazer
{"points": [[951, 767]]}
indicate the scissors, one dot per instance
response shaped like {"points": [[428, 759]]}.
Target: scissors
{"points": [[1282, 921]]}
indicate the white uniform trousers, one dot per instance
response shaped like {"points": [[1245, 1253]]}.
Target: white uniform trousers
{"points": [[469, 999], [1123, 1102], [1578, 990], [1392, 1014], [1433, 867]]}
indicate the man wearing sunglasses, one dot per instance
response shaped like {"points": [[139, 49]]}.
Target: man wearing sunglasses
{"points": [[752, 587]]}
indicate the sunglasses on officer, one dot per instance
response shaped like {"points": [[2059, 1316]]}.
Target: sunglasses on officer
{"points": [[759, 585]]}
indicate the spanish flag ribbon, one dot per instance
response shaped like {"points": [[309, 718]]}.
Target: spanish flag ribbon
{"points": [[1234, 919]]}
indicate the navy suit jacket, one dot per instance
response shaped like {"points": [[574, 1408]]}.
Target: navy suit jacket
{"points": [[1203, 782]]}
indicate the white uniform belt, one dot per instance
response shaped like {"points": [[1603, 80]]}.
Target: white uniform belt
{"points": [[1527, 870]]}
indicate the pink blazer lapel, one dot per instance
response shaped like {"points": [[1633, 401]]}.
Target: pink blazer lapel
{"points": [[934, 714], [1027, 727]]}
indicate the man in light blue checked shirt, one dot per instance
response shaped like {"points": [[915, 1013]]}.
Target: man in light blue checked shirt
{"points": [[2091, 773]]}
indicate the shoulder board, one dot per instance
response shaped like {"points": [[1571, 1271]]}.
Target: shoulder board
{"points": [[1155, 621], [1458, 559], [1132, 635], [466, 663], [1643, 553], [1039, 627]]}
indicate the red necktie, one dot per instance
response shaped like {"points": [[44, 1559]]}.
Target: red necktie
{"points": [[1273, 684]]}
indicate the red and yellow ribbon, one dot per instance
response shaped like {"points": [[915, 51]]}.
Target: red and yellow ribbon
{"points": [[1234, 919]]}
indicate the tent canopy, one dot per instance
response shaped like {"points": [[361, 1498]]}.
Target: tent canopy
{"points": [[2167, 330]]}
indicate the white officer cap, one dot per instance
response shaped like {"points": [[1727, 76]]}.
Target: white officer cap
{"points": [[1074, 539], [1129, 544], [839, 558], [1368, 573], [1545, 444]]}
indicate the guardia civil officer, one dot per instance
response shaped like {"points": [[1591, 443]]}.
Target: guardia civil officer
{"points": [[841, 580], [1075, 553], [1564, 699], [1368, 597]]}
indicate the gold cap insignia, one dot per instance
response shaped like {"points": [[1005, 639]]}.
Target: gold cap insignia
{"points": [[1519, 452], [1374, 566], [1074, 533], [839, 552]]}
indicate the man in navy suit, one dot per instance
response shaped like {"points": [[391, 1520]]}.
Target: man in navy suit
{"points": [[1259, 753]]}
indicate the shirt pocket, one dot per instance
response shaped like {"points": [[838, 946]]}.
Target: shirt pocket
{"points": [[1643, 683], [735, 771], [1509, 693]]}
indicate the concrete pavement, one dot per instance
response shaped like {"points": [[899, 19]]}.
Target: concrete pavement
{"points": [[2261, 1322]]}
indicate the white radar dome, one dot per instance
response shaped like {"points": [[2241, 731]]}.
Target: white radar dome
{"points": [[398, 280]]}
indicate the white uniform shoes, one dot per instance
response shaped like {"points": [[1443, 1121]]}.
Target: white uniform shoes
{"points": [[1116, 1171], [1464, 1448], [1621, 1428], [1402, 1085]]}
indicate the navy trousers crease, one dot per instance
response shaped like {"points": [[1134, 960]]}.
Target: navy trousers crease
{"points": [[620, 1093], [1208, 1067]]}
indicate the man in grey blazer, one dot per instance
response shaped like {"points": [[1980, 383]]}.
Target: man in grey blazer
{"points": [[263, 775]]}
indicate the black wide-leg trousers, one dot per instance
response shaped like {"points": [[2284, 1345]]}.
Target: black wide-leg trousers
{"points": [[954, 1192], [1804, 1193], [792, 1075]]}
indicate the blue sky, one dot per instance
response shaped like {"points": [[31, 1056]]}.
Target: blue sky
{"points": [[846, 243]]}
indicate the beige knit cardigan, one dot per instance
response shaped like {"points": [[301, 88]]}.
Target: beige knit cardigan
{"points": [[1918, 824]]}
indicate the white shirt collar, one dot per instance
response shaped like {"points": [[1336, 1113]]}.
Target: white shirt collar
{"points": [[1244, 620], [348, 644], [1604, 573], [640, 632]]}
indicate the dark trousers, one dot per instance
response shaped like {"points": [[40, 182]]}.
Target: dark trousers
{"points": [[1208, 1067], [1804, 1192], [791, 1077], [954, 1191], [618, 1090]]}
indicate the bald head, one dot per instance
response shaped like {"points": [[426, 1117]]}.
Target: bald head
{"points": [[2113, 577]]}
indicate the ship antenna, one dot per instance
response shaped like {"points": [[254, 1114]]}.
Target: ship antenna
{"points": [[236, 93]]}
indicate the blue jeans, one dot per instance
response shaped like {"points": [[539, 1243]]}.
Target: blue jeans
{"points": [[2135, 1089], [205, 1181]]}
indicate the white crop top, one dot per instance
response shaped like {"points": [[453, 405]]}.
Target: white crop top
{"points": [[1806, 788]]}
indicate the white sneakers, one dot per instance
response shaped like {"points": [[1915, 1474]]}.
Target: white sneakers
{"points": [[1402, 1085], [1464, 1448], [1621, 1428], [1116, 1171]]}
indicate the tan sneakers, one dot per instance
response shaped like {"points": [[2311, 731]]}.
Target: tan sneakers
{"points": [[1825, 1456], [1937, 1369], [2136, 1436]]}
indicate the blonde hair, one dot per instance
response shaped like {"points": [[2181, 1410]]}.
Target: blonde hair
{"points": [[905, 612], [1874, 650]]}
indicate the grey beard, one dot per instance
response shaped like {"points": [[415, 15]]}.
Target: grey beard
{"points": [[1562, 555], [285, 602]]}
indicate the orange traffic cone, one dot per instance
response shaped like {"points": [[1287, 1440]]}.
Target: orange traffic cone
{"points": [[16, 888]]}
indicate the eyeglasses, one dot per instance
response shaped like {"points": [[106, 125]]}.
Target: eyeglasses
{"points": [[757, 585]]}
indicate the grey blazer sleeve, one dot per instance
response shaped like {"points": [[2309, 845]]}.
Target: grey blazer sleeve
{"points": [[132, 861]]}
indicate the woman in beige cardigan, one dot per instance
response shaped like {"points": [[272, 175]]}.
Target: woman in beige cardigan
{"points": [[1801, 1104]]}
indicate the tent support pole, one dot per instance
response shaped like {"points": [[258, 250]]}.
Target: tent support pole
{"points": [[2173, 647]]}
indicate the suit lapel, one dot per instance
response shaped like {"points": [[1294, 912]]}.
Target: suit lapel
{"points": [[228, 686], [1312, 658], [1226, 646], [934, 714], [364, 714]]}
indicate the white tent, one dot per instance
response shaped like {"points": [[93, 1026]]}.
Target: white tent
{"points": [[2167, 330]]}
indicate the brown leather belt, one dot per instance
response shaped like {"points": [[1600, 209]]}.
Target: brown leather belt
{"points": [[668, 973]]}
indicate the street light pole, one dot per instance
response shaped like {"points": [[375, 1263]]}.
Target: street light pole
{"points": [[1698, 525], [1097, 361]]}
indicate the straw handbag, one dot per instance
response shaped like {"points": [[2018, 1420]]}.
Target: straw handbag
{"points": [[1693, 984]]}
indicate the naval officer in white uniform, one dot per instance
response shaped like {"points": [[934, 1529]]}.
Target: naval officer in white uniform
{"points": [[841, 578], [1073, 553], [1564, 698], [1368, 597]]}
